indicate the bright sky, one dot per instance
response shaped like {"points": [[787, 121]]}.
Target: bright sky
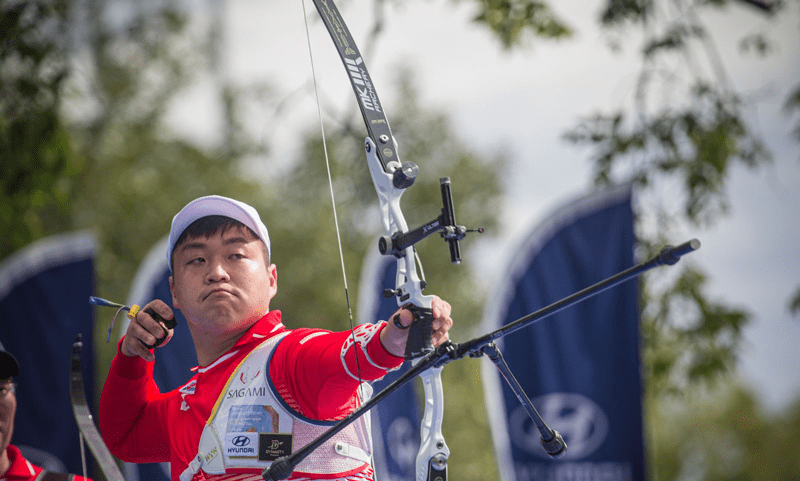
{"points": [[523, 103]]}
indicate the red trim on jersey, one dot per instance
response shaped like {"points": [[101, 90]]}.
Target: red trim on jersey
{"points": [[20, 469]]}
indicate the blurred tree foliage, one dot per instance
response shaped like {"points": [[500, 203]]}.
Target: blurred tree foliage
{"points": [[39, 162], [685, 134], [516, 22], [686, 130], [724, 436]]}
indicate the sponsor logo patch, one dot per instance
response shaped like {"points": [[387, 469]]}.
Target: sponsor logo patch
{"points": [[241, 445], [272, 446], [246, 392]]}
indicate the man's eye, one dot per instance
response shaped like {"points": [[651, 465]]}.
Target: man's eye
{"points": [[196, 260]]}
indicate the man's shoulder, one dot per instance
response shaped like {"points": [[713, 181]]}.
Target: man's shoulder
{"points": [[19, 467]]}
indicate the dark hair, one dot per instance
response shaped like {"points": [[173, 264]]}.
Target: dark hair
{"points": [[208, 226]]}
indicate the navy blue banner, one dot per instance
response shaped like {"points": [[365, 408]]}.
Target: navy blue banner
{"points": [[580, 366], [44, 304], [173, 361], [395, 421]]}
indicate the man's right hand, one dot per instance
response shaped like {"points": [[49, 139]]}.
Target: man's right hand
{"points": [[145, 331]]}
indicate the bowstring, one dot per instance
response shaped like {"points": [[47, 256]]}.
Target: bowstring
{"points": [[333, 203], [83, 452]]}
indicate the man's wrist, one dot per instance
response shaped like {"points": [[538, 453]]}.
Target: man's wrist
{"points": [[393, 345]]}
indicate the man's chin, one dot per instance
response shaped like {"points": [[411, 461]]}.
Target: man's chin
{"points": [[4, 442], [222, 319]]}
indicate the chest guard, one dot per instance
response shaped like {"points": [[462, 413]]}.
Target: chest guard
{"points": [[251, 426]]}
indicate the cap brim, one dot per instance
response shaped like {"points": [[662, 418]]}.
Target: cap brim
{"points": [[8, 365]]}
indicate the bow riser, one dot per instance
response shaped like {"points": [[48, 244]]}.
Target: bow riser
{"points": [[407, 280]]}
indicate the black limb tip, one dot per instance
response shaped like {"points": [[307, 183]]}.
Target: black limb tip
{"points": [[75, 358], [420, 335]]}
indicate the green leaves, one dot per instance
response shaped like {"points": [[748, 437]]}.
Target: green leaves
{"points": [[792, 105], [689, 339], [794, 303], [723, 435], [617, 12], [510, 20], [39, 164], [697, 145]]}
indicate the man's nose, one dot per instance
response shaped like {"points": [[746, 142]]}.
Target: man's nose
{"points": [[217, 272]]}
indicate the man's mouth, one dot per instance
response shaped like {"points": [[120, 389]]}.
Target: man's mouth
{"points": [[217, 292]]}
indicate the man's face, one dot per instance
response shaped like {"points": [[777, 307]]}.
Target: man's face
{"points": [[8, 408], [222, 284]]}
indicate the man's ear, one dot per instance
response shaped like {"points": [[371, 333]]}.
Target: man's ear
{"points": [[172, 291], [273, 279]]}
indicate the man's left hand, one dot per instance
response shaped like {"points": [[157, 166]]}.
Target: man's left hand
{"points": [[394, 338]]}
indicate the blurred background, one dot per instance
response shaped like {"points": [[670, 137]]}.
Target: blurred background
{"points": [[115, 114]]}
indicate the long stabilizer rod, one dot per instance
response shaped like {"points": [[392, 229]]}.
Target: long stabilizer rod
{"points": [[282, 468], [668, 256]]}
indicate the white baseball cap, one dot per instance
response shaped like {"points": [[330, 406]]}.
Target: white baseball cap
{"points": [[215, 205]]}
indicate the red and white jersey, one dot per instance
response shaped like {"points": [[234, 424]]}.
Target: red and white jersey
{"points": [[311, 371], [20, 469]]}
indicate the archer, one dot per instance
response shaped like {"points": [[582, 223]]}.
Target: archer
{"points": [[261, 390]]}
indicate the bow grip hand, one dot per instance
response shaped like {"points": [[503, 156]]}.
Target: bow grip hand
{"points": [[420, 333]]}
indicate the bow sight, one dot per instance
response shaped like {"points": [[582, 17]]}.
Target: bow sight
{"points": [[445, 223]]}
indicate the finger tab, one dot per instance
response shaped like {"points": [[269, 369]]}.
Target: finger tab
{"points": [[169, 323]]}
